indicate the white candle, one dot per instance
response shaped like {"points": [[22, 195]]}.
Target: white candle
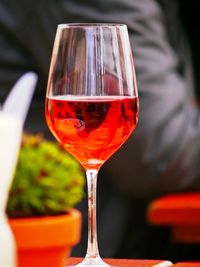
{"points": [[10, 140], [12, 117]]}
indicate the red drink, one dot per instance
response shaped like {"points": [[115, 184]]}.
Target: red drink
{"points": [[92, 128]]}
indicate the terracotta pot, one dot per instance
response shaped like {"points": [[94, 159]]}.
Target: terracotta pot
{"points": [[46, 241]]}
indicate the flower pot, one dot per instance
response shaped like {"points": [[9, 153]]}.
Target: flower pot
{"points": [[46, 241]]}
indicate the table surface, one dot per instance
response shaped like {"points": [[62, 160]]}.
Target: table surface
{"points": [[126, 262], [137, 263]]}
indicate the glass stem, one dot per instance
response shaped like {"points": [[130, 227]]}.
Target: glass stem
{"points": [[92, 249]]}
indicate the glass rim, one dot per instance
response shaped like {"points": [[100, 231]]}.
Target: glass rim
{"points": [[91, 25]]}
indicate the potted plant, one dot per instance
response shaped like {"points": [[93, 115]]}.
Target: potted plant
{"points": [[47, 184]]}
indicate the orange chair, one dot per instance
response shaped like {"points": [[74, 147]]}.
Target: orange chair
{"points": [[179, 211]]}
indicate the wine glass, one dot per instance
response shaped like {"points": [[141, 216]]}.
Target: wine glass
{"points": [[92, 102]]}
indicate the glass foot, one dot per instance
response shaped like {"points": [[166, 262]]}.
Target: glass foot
{"points": [[98, 262], [89, 262]]}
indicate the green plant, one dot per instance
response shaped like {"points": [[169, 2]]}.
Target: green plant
{"points": [[47, 181]]}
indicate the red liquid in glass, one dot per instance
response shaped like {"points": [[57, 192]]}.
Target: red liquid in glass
{"points": [[92, 128]]}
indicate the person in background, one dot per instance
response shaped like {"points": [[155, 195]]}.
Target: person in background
{"points": [[162, 156]]}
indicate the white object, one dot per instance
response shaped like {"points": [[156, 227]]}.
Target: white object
{"points": [[10, 140], [163, 264], [12, 118], [18, 101]]}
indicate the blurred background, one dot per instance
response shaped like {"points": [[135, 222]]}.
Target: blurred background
{"points": [[163, 154]]}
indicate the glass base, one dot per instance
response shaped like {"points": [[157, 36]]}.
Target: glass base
{"points": [[88, 262], [98, 262]]}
